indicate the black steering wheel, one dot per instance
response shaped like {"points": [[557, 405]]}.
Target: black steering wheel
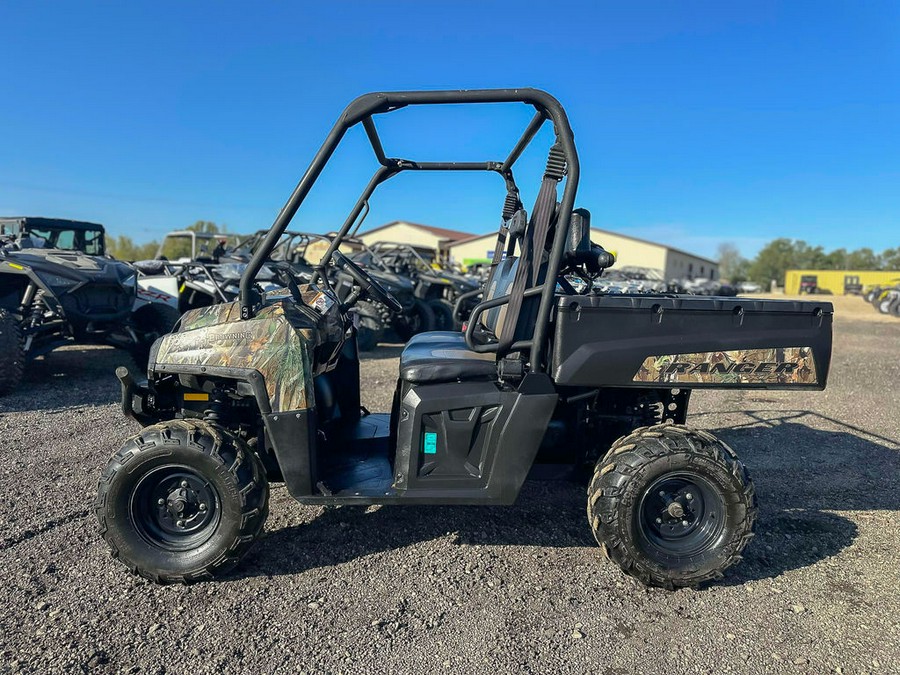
{"points": [[284, 274], [368, 285]]}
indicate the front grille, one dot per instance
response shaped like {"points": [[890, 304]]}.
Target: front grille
{"points": [[99, 301]]}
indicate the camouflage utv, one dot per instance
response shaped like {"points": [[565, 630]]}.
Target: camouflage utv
{"points": [[266, 389]]}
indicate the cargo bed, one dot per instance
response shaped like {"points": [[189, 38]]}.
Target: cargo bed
{"points": [[691, 342]]}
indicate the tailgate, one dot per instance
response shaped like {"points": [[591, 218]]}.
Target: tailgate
{"points": [[691, 342]]}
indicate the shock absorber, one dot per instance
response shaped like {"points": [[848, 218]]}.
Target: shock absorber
{"points": [[216, 408], [31, 307], [37, 309]]}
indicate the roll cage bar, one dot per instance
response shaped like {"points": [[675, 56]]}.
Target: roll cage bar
{"points": [[388, 248], [361, 111], [289, 239]]}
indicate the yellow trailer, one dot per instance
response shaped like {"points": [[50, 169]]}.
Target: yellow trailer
{"points": [[837, 282]]}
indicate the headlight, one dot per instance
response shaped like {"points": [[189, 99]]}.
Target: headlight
{"points": [[58, 281]]}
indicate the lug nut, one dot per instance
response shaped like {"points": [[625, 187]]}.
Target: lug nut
{"points": [[202, 507], [659, 521], [161, 501], [180, 523], [684, 523], [689, 495], [184, 483], [662, 494]]}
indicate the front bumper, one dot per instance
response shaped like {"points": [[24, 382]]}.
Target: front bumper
{"points": [[137, 398]]}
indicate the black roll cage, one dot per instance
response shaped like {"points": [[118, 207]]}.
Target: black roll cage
{"points": [[361, 111]]}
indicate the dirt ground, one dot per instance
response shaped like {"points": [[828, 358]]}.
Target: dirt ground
{"points": [[470, 590]]}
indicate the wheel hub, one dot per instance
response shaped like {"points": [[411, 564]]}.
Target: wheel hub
{"points": [[675, 509], [681, 514], [183, 502], [175, 508]]}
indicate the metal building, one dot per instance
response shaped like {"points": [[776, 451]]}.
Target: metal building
{"points": [[629, 251]]}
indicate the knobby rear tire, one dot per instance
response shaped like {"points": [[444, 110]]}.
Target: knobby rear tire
{"points": [[621, 490], [418, 319], [443, 315], [371, 327]]}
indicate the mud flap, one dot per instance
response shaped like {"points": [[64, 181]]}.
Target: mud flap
{"points": [[292, 436]]}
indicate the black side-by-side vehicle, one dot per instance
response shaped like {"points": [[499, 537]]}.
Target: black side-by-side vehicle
{"points": [[266, 388], [58, 287]]}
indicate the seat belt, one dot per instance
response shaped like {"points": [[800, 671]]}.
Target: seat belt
{"points": [[527, 274], [510, 206]]}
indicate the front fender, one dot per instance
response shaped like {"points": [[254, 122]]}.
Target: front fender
{"points": [[273, 346]]}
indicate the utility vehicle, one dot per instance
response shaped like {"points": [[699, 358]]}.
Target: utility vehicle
{"points": [[56, 233], [196, 269], [809, 283], [189, 246], [266, 388], [58, 287], [437, 287], [303, 250]]}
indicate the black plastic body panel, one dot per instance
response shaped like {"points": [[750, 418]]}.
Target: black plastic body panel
{"points": [[483, 445], [602, 340], [292, 437]]}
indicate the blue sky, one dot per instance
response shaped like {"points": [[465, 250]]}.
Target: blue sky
{"points": [[696, 123]]}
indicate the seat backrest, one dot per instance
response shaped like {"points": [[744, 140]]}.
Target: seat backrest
{"points": [[499, 284], [501, 280]]}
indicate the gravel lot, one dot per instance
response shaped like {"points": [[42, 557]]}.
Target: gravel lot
{"points": [[474, 590]]}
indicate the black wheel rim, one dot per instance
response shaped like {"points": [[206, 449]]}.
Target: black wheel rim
{"points": [[174, 508], [681, 515]]}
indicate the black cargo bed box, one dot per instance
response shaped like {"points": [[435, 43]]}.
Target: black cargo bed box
{"points": [[691, 342]]}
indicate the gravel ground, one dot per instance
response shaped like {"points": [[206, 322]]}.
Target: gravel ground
{"points": [[474, 590]]}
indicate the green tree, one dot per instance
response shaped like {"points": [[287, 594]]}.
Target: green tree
{"points": [[809, 257], [890, 259], [772, 261], [124, 248], [836, 260], [863, 259]]}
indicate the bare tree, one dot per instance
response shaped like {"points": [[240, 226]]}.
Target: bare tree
{"points": [[732, 265]]}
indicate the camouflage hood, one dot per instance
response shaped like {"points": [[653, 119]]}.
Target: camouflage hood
{"points": [[278, 343]]}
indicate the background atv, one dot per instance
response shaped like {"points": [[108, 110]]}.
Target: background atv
{"points": [[267, 389], [199, 270], [889, 301], [55, 233], [190, 246], [436, 286], [886, 299], [50, 297], [302, 251]]}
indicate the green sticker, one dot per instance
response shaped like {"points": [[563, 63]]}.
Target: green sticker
{"points": [[430, 445]]}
